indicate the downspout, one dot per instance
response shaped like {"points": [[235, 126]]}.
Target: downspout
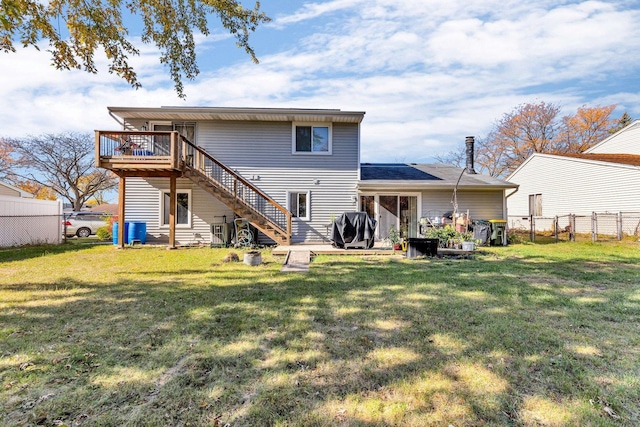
{"points": [[506, 213]]}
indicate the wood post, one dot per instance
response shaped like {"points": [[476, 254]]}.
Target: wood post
{"points": [[619, 224], [172, 212], [121, 198]]}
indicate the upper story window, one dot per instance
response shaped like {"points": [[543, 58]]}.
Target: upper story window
{"points": [[312, 138]]}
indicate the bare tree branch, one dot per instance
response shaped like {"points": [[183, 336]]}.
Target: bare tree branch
{"points": [[64, 163]]}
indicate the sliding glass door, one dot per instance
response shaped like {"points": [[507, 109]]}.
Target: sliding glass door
{"points": [[392, 210]]}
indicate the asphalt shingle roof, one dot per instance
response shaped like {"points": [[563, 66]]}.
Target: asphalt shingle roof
{"points": [[623, 159], [424, 175]]}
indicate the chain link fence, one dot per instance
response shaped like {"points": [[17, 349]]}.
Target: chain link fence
{"points": [[20, 230], [573, 227]]}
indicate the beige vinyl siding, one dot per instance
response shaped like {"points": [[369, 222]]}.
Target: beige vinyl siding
{"points": [[626, 141], [6, 191], [575, 186], [481, 204]]}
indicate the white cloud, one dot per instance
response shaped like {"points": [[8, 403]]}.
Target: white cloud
{"points": [[428, 73]]}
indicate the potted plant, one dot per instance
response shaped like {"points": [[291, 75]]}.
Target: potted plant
{"points": [[394, 238], [468, 244]]}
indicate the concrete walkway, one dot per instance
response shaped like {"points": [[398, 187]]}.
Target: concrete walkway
{"points": [[297, 261]]}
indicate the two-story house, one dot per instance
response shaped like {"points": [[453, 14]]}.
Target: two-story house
{"points": [[289, 172]]}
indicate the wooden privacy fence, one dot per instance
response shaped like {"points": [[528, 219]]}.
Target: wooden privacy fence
{"points": [[569, 227]]}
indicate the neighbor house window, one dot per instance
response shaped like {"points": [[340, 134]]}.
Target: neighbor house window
{"points": [[183, 208], [299, 204], [535, 204], [312, 139]]}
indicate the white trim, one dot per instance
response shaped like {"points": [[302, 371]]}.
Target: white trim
{"points": [[308, 193], [160, 123], [327, 125], [189, 208], [609, 138]]}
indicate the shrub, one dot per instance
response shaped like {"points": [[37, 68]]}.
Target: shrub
{"points": [[103, 233]]}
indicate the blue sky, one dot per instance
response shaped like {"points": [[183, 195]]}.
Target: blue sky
{"points": [[427, 73]]}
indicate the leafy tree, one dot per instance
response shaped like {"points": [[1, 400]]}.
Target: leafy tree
{"points": [[585, 129], [40, 191], [624, 121], [64, 163], [99, 198], [535, 128], [6, 161], [528, 129], [75, 30]]}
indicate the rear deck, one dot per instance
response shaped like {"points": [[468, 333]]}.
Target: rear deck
{"points": [[282, 250]]}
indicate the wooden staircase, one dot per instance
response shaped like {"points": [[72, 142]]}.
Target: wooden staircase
{"points": [[246, 200]]}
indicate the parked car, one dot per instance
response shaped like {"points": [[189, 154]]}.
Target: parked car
{"points": [[83, 224]]}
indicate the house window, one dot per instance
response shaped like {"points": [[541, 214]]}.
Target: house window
{"points": [[183, 208], [299, 204], [535, 204], [312, 139], [161, 143]]}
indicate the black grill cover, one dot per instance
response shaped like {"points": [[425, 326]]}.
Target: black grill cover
{"points": [[482, 232], [353, 229]]}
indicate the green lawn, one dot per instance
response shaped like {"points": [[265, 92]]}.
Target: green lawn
{"points": [[528, 335]]}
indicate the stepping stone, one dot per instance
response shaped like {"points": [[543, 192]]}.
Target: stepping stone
{"points": [[297, 262]]}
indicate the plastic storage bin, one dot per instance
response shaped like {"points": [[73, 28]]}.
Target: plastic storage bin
{"points": [[137, 232], [115, 233]]}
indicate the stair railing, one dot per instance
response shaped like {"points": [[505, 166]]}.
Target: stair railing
{"points": [[235, 185]]}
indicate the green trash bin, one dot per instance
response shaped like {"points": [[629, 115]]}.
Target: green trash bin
{"points": [[498, 230]]}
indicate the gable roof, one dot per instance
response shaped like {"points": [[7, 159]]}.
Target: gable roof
{"points": [[21, 193], [629, 161], [192, 114], [424, 176], [629, 128], [623, 159]]}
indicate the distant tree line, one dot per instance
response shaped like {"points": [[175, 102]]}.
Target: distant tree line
{"points": [[537, 128]]}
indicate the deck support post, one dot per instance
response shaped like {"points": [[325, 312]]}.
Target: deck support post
{"points": [[121, 191], [172, 212]]}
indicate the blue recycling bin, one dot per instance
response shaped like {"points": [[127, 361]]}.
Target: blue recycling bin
{"points": [[115, 233], [137, 232]]}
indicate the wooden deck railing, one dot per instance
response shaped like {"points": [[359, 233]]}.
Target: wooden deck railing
{"points": [[117, 149], [126, 151]]}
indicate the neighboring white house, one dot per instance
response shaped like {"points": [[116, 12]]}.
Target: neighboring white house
{"points": [[11, 191], [25, 220], [605, 178], [297, 166]]}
